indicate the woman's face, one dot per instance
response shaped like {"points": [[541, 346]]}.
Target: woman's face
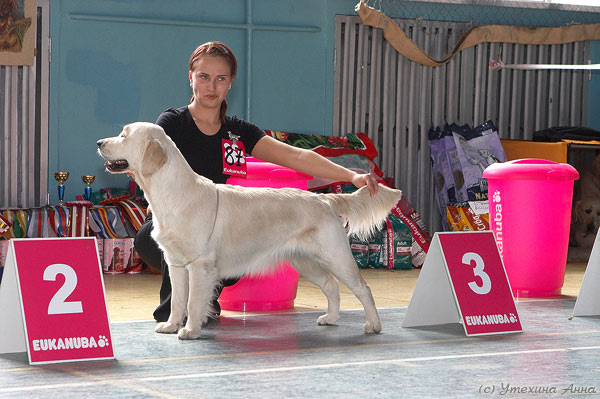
{"points": [[210, 79]]}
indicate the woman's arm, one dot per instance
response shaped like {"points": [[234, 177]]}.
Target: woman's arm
{"points": [[309, 162]]}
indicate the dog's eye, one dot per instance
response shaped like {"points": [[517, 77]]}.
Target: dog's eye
{"points": [[588, 211]]}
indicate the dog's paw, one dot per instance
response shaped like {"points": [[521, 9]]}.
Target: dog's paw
{"points": [[372, 328], [166, 328], [188, 333], [327, 319]]}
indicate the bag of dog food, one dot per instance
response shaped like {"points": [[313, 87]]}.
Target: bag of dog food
{"points": [[476, 151], [420, 239], [360, 251], [397, 245], [116, 254], [468, 217], [455, 165], [376, 254], [442, 174]]}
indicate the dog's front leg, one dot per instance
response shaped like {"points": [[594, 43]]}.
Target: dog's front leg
{"points": [[179, 299], [202, 280]]}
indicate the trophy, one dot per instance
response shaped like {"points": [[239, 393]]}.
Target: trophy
{"points": [[88, 180], [61, 178]]}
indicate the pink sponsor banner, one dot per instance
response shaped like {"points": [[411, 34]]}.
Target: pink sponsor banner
{"points": [[480, 283], [63, 300]]}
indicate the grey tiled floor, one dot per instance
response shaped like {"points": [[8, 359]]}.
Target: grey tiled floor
{"points": [[287, 355]]}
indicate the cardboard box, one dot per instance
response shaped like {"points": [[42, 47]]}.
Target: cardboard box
{"points": [[519, 149]]}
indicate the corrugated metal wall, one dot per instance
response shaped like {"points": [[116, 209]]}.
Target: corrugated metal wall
{"points": [[396, 101], [24, 125]]}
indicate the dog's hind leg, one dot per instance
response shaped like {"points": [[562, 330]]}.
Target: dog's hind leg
{"points": [[202, 282], [179, 300], [314, 273], [343, 266]]}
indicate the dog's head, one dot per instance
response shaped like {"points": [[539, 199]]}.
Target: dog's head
{"points": [[139, 149], [587, 215]]}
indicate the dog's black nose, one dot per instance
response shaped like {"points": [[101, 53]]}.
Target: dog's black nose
{"points": [[99, 143]]}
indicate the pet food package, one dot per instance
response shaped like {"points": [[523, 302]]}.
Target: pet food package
{"points": [[468, 216], [376, 252], [360, 251], [116, 254], [405, 208], [135, 265], [442, 176], [420, 238], [477, 150], [398, 244], [454, 159]]}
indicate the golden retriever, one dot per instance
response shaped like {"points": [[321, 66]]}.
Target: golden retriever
{"points": [[209, 232], [585, 222]]}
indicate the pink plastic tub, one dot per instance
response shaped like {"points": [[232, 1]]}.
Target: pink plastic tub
{"points": [[275, 291], [530, 215]]}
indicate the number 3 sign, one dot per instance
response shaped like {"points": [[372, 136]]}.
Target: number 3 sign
{"points": [[52, 301], [463, 281]]}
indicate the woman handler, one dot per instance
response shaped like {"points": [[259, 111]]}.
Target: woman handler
{"points": [[198, 130]]}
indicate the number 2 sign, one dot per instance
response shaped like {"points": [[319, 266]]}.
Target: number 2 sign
{"points": [[52, 301], [463, 281]]}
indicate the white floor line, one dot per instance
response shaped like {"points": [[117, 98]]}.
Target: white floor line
{"points": [[292, 368]]}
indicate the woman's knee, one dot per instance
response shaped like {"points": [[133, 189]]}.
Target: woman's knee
{"points": [[147, 248]]}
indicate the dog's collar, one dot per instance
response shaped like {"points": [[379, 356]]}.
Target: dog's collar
{"points": [[209, 236]]}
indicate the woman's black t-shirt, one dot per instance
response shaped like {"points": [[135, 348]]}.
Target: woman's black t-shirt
{"points": [[201, 151]]}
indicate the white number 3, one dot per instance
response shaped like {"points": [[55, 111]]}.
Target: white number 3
{"points": [[57, 304], [486, 283]]}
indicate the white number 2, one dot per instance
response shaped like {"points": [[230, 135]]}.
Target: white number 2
{"points": [[486, 283], [57, 304]]}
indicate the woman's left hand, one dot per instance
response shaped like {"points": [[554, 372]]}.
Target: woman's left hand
{"points": [[366, 179]]}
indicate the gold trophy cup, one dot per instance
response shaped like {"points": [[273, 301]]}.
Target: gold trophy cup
{"points": [[61, 178], [88, 180]]}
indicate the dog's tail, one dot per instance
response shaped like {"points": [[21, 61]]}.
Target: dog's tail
{"points": [[364, 213]]}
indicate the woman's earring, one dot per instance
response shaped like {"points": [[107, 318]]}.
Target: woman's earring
{"points": [[229, 86]]}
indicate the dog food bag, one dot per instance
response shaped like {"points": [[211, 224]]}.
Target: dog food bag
{"points": [[476, 151], [442, 174], [420, 239], [360, 251], [398, 244], [467, 217], [461, 193], [133, 261], [136, 262], [376, 252], [404, 208], [115, 255], [453, 217]]}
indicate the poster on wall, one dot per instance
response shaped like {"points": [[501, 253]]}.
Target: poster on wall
{"points": [[17, 32]]}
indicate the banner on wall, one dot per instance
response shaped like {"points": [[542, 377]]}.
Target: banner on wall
{"points": [[17, 32]]}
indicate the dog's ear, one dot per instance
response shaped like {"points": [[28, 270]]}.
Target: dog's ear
{"points": [[578, 211], [154, 158]]}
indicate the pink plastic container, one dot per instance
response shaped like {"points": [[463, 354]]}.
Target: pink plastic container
{"points": [[275, 291], [530, 215]]}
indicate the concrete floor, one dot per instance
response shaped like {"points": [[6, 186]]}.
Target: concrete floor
{"points": [[287, 355]]}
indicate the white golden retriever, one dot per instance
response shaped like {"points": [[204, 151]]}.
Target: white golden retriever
{"points": [[209, 232]]}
